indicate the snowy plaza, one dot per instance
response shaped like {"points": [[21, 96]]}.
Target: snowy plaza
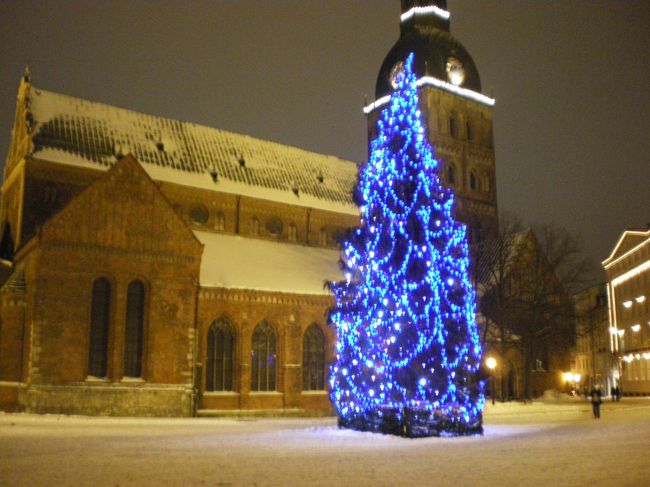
{"points": [[554, 443]]}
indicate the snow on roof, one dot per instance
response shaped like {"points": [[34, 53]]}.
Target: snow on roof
{"points": [[84, 133], [245, 263]]}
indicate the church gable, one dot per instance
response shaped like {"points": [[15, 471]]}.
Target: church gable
{"points": [[123, 209]]}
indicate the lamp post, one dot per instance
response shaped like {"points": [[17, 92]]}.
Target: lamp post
{"points": [[491, 363]]}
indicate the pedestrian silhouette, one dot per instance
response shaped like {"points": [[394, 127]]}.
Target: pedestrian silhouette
{"points": [[596, 399]]}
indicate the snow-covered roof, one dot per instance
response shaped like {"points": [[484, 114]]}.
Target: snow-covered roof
{"points": [[245, 263], [84, 133]]}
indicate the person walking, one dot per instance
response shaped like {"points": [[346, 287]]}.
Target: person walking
{"points": [[596, 399]]}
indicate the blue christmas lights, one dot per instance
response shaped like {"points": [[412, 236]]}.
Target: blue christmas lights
{"points": [[407, 343]]}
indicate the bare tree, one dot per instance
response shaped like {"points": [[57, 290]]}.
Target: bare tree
{"points": [[525, 277]]}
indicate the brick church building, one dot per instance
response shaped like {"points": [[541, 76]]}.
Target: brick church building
{"points": [[157, 267]]}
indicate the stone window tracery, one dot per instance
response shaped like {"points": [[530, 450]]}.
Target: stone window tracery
{"points": [[263, 358], [313, 359], [219, 360]]}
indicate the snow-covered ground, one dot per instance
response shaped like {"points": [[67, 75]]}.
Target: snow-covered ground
{"points": [[554, 443]]}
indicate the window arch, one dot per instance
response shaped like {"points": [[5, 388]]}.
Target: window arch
{"points": [[486, 183], [263, 358], [313, 359], [323, 238], [451, 174], [292, 232], [134, 330], [219, 360], [99, 323], [255, 226], [220, 221], [452, 126], [473, 183]]}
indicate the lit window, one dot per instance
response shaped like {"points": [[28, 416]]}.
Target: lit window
{"points": [[627, 304], [640, 299], [635, 328]]}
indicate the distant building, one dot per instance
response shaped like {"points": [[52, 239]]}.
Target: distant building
{"points": [[594, 362], [628, 287]]}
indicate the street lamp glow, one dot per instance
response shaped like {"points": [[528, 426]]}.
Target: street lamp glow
{"points": [[576, 377], [491, 363], [568, 376]]}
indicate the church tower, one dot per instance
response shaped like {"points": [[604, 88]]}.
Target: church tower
{"points": [[455, 112]]}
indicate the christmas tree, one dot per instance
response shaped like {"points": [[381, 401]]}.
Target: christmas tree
{"points": [[407, 343]]}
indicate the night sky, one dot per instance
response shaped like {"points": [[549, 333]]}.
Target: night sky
{"points": [[571, 79]]}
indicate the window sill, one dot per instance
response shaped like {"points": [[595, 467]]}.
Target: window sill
{"points": [[97, 380], [314, 393], [132, 380], [220, 393]]}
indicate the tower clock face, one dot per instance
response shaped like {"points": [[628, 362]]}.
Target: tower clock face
{"points": [[455, 71], [396, 73]]}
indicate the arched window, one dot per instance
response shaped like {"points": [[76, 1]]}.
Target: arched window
{"points": [[99, 323], [220, 222], [452, 126], [313, 359], [255, 226], [472, 181], [263, 358], [451, 174], [468, 127], [323, 237], [292, 232], [218, 363], [134, 331], [486, 183]]}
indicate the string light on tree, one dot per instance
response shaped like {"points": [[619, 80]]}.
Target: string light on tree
{"points": [[407, 343]]}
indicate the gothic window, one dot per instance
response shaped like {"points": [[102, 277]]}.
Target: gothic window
{"points": [[452, 126], [199, 214], [263, 359], [255, 226], [293, 232], [323, 237], [221, 341], [473, 183], [469, 131], [486, 183], [99, 323], [451, 174], [134, 331], [313, 359], [220, 222]]}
